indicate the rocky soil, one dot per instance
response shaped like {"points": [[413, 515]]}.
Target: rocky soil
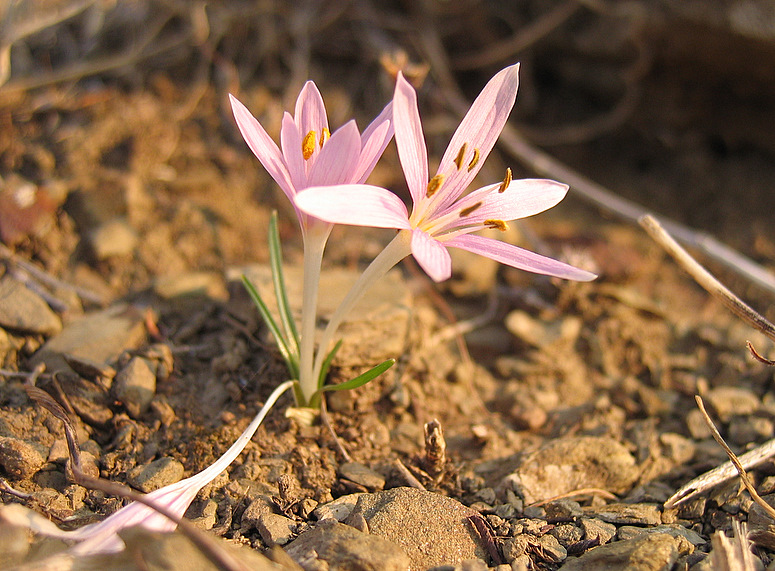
{"points": [[130, 207]]}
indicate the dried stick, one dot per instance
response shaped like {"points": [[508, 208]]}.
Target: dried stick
{"points": [[544, 164]]}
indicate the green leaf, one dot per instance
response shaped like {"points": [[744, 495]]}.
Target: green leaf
{"points": [[278, 280], [291, 358], [327, 364], [358, 381]]}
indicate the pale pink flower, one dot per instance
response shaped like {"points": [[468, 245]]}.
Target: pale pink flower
{"points": [[309, 154], [442, 216]]}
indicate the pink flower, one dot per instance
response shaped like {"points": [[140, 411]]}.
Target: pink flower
{"points": [[311, 155], [442, 216]]}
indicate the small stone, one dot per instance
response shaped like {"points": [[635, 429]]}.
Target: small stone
{"points": [[598, 529], [733, 401], [515, 547], [157, 474], [338, 509], [113, 238], [698, 428], [205, 515], [563, 509], [362, 475], [275, 529], [655, 552], [22, 309], [746, 429], [135, 386], [21, 458], [629, 532], [678, 448], [340, 546], [255, 510], [191, 286], [633, 514], [551, 549], [567, 534]]}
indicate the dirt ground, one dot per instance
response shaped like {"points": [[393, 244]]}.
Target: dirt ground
{"points": [[125, 181]]}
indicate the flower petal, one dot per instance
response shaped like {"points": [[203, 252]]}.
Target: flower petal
{"points": [[479, 129], [262, 145], [431, 255], [409, 138], [338, 158], [374, 140], [518, 257], [310, 113], [290, 142], [354, 204]]}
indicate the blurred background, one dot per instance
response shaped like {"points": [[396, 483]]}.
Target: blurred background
{"points": [[119, 157]]}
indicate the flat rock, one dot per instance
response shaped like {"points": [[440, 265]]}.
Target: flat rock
{"points": [[432, 529], [275, 529], [568, 464], [630, 514], [23, 310], [135, 386], [342, 548], [21, 458], [375, 329], [657, 552], [339, 509], [362, 475], [157, 474], [98, 337]]}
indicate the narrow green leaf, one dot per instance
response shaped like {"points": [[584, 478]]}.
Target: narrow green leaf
{"points": [[327, 364], [278, 280], [358, 381], [291, 360]]}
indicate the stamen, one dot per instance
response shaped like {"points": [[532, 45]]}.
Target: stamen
{"points": [[506, 181], [434, 185], [474, 160], [461, 154], [308, 145], [466, 211], [498, 224], [325, 135]]}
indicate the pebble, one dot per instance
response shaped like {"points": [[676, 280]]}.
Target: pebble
{"points": [[22, 309], [630, 532], [275, 529], [654, 552], [567, 534], [551, 549], [332, 545], [135, 386], [157, 474], [733, 401], [113, 238], [631, 514], [563, 509], [432, 529], [362, 475], [746, 429], [598, 529], [98, 337], [191, 286], [20, 458], [568, 464]]}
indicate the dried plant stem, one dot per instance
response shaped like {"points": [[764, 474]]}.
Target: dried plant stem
{"points": [[408, 477], [735, 461]]}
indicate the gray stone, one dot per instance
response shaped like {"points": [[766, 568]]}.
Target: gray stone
{"points": [[551, 549], [275, 529], [563, 509], [655, 552], [21, 458], [568, 464], [362, 475], [99, 337], [598, 529], [630, 532], [343, 548], [632, 514], [567, 534], [515, 547], [432, 529], [157, 474], [135, 386], [23, 310]]}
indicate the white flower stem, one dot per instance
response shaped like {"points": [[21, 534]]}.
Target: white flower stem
{"points": [[393, 253], [314, 245]]}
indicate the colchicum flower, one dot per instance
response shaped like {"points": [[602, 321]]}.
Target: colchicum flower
{"points": [[442, 216], [310, 155]]}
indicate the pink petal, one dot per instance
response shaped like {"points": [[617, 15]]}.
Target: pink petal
{"points": [[290, 141], [310, 114], [518, 257], [409, 139], [522, 198], [373, 143], [262, 145], [480, 128], [431, 255], [337, 160], [354, 204]]}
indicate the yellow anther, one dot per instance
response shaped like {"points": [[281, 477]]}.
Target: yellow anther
{"points": [[498, 224], [474, 160], [461, 155], [325, 135], [434, 185], [506, 181], [308, 145], [466, 211]]}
